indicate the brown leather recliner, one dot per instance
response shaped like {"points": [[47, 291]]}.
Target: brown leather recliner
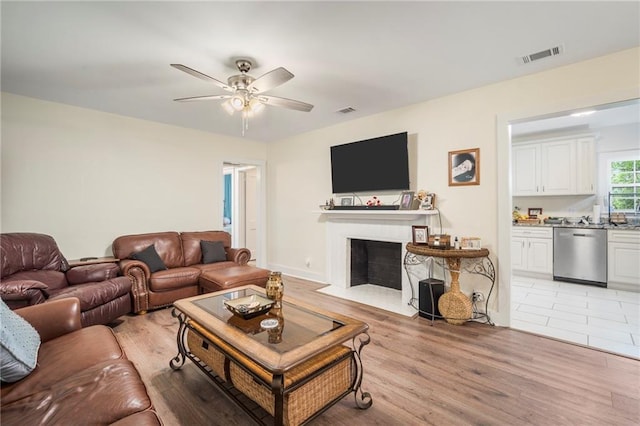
{"points": [[35, 271]]}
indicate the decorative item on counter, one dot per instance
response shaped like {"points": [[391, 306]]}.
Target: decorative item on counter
{"points": [[275, 288], [534, 212], [618, 218], [331, 204], [456, 244], [375, 201], [440, 241], [471, 243]]}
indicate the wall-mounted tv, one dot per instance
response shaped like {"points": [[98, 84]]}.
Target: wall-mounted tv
{"points": [[378, 164]]}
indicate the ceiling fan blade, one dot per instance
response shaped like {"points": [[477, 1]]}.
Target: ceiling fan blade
{"points": [[286, 103], [203, 98], [202, 76], [270, 80]]}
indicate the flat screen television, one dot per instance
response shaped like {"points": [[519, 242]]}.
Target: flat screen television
{"points": [[378, 164]]}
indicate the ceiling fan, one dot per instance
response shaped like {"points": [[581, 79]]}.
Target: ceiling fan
{"points": [[246, 93]]}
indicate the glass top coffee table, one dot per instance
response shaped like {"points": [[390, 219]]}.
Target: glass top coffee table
{"points": [[286, 353]]}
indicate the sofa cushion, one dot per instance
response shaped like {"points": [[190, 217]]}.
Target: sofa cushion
{"points": [[174, 278], [191, 244], [65, 356], [213, 251], [151, 258], [52, 279], [92, 295], [19, 344], [100, 394], [167, 244]]}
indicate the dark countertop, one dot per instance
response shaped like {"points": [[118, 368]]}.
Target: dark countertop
{"points": [[626, 227]]}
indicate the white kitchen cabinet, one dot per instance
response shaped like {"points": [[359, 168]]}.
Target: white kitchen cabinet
{"points": [[554, 167], [623, 263], [586, 166], [532, 249], [526, 169], [558, 168]]}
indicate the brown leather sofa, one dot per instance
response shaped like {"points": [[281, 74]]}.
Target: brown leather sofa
{"points": [[183, 258], [82, 376], [35, 271]]}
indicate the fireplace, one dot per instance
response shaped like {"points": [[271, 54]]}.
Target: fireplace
{"points": [[381, 226], [376, 263]]}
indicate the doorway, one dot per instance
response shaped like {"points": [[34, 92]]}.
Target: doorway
{"points": [[243, 207], [596, 317]]}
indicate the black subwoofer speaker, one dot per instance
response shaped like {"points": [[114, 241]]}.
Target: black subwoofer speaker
{"points": [[426, 287]]}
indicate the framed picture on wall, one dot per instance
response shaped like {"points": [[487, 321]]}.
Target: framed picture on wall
{"points": [[464, 167], [420, 234]]}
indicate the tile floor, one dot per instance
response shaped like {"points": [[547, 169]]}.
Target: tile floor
{"points": [[593, 316]]}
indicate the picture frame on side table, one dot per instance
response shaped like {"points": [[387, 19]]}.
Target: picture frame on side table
{"points": [[420, 234], [464, 167], [346, 201], [406, 200]]}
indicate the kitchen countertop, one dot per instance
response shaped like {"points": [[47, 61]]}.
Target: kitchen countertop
{"points": [[590, 226]]}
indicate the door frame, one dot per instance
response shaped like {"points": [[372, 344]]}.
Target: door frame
{"points": [[261, 182], [504, 181]]}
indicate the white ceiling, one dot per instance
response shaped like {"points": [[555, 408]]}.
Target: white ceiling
{"points": [[372, 56]]}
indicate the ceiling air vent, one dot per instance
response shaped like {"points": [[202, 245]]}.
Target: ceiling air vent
{"points": [[346, 110], [553, 51]]}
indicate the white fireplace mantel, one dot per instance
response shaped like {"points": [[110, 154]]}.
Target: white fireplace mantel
{"points": [[404, 215]]}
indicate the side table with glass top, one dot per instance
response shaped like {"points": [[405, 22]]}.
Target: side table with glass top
{"points": [[294, 371]]}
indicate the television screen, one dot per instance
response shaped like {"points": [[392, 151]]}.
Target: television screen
{"points": [[376, 164]]}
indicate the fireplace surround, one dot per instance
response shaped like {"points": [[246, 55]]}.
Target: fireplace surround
{"points": [[393, 226]]}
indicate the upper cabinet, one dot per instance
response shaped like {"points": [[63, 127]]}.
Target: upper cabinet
{"points": [[558, 167]]}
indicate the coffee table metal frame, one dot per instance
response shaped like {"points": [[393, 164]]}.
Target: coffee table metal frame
{"points": [[355, 331]]}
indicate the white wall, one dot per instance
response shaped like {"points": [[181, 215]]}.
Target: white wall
{"points": [[86, 177], [299, 167]]}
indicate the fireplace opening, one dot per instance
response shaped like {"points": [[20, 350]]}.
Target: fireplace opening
{"points": [[377, 263]]}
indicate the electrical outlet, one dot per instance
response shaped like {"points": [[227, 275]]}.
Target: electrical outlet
{"points": [[307, 262], [477, 296]]}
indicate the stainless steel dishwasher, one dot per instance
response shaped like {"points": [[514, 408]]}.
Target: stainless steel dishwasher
{"points": [[580, 255]]}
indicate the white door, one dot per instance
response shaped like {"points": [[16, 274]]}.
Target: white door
{"points": [[251, 211]]}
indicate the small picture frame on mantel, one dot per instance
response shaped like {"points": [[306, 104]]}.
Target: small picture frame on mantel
{"points": [[420, 234], [534, 212], [406, 200]]}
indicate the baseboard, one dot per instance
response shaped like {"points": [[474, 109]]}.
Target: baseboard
{"points": [[298, 273]]}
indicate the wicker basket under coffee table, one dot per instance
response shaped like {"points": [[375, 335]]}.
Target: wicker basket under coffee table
{"points": [[293, 372]]}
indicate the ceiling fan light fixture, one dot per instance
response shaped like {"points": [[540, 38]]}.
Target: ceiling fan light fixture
{"points": [[237, 102], [255, 105]]}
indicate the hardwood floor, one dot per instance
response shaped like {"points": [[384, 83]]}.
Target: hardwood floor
{"points": [[417, 374]]}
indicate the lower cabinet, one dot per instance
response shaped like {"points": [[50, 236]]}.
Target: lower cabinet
{"points": [[623, 261], [532, 249]]}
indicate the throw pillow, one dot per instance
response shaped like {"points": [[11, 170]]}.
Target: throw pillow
{"points": [[213, 251], [19, 344], [151, 258]]}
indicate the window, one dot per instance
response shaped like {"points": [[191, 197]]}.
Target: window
{"points": [[624, 185]]}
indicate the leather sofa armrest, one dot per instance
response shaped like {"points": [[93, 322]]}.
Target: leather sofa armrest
{"points": [[53, 319], [20, 293], [92, 273], [241, 256], [127, 264], [139, 274]]}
